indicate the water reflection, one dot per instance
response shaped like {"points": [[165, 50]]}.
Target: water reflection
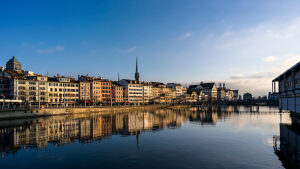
{"points": [[287, 145], [65, 129], [37, 133], [241, 137]]}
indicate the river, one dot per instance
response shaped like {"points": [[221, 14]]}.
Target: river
{"points": [[211, 137]]}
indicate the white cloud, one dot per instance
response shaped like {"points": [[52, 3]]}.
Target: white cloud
{"points": [[269, 59], [186, 35], [131, 49], [56, 49], [237, 76]]}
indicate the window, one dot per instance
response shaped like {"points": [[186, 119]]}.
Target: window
{"points": [[32, 98], [21, 93], [22, 88]]}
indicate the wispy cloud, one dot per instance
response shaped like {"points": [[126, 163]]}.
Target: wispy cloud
{"points": [[237, 76], [257, 75], [56, 49], [269, 59], [186, 35], [132, 49]]}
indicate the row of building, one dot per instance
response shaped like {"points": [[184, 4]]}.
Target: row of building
{"points": [[210, 91], [30, 88]]}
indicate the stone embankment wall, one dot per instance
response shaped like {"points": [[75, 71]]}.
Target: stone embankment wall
{"points": [[24, 113]]}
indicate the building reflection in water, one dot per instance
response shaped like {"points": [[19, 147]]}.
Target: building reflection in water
{"points": [[59, 130], [287, 145]]}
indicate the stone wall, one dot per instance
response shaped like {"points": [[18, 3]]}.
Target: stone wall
{"points": [[15, 114]]}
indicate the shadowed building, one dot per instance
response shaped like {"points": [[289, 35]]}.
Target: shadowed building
{"points": [[288, 85], [247, 97]]}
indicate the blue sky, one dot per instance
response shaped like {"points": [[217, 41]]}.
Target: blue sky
{"points": [[243, 43]]}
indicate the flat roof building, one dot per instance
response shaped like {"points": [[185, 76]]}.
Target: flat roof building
{"points": [[287, 86]]}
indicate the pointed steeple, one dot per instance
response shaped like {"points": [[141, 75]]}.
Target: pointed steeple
{"points": [[118, 76], [137, 75]]}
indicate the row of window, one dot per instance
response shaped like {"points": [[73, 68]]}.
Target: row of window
{"points": [[105, 83], [135, 89], [31, 83], [4, 81], [65, 90], [136, 96], [30, 93], [85, 88], [135, 100], [118, 96], [63, 100], [289, 84], [23, 88], [63, 84], [62, 95], [134, 86], [4, 86], [135, 93], [31, 98]]}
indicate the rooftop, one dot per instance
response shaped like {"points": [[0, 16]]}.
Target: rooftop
{"points": [[297, 65]]}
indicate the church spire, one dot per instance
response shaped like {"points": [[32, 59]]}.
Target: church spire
{"points": [[137, 75], [118, 76]]}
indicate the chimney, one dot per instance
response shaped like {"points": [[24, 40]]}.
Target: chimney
{"points": [[223, 85]]}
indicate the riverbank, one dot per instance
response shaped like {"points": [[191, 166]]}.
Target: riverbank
{"points": [[38, 112]]}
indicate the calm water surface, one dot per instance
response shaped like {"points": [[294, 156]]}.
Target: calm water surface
{"points": [[214, 137]]}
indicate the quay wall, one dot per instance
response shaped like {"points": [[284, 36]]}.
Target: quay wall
{"points": [[36, 112]]}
